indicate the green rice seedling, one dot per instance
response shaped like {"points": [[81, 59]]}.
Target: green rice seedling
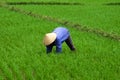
{"points": [[1, 74], [16, 71], [82, 14], [6, 71], [23, 55]]}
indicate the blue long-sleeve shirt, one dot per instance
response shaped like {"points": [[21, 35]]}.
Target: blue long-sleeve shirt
{"points": [[62, 34]]}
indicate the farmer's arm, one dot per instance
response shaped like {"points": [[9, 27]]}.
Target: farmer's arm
{"points": [[49, 49]]}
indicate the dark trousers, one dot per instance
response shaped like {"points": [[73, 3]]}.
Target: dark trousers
{"points": [[69, 43]]}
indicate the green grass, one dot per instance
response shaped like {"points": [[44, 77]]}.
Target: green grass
{"points": [[23, 55], [101, 17], [83, 1]]}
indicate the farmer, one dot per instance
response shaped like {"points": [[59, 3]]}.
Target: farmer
{"points": [[56, 38]]}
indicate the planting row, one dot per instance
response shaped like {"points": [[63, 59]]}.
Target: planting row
{"points": [[42, 3], [83, 1], [56, 3], [23, 55], [66, 23]]}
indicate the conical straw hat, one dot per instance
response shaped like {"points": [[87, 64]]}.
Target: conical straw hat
{"points": [[49, 38]]}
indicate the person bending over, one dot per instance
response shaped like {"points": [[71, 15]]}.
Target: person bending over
{"points": [[56, 38]]}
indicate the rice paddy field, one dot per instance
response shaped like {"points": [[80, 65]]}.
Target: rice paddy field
{"points": [[23, 55]]}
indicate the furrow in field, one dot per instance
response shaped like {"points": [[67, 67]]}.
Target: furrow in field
{"points": [[43, 3], [56, 3], [115, 3], [66, 23]]}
